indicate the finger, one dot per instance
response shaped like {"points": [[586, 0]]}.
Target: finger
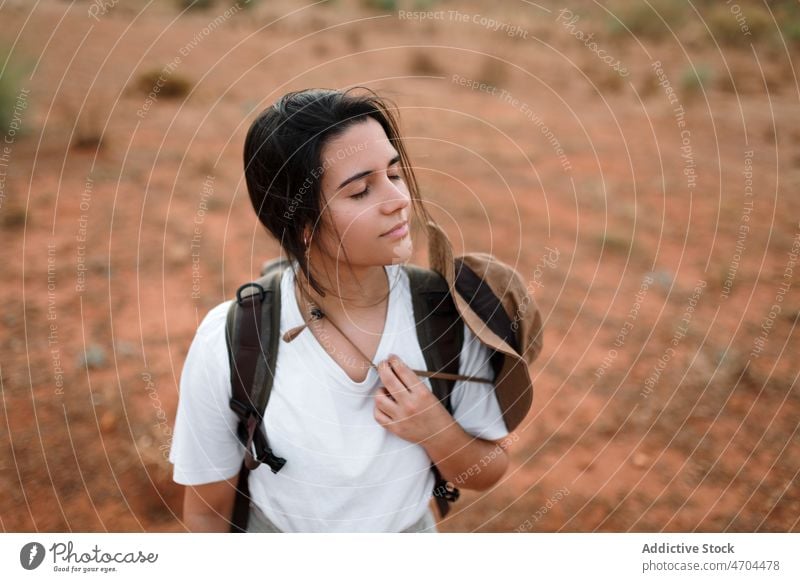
{"points": [[381, 417], [384, 393], [386, 403], [405, 374], [382, 390], [393, 384]]}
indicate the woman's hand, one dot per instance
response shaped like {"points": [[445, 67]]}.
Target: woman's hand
{"points": [[405, 406]]}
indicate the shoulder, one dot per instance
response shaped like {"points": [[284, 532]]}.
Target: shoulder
{"points": [[475, 356], [212, 326]]}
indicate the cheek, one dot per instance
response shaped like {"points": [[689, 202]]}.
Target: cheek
{"points": [[356, 226]]}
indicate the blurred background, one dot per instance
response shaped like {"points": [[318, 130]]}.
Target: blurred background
{"points": [[637, 161]]}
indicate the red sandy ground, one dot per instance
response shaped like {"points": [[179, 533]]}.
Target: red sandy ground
{"points": [[714, 447]]}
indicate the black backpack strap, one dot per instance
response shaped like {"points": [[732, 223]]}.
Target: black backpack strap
{"points": [[440, 331], [253, 315]]}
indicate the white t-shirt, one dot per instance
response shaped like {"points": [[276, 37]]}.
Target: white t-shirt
{"points": [[344, 472]]}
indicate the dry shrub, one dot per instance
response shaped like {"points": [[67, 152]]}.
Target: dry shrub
{"points": [[645, 22], [382, 5], [11, 84], [604, 78], [696, 79], [493, 72], [164, 84], [13, 214], [730, 29], [423, 64], [194, 4]]}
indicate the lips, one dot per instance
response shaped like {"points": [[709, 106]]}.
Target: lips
{"points": [[397, 226]]}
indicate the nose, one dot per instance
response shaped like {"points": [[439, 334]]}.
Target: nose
{"points": [[396, 196]]}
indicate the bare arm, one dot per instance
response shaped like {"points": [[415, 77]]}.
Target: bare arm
{"points": [[466, 461], [208, 508]]}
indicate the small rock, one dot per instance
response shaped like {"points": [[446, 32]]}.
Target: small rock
{"points": [[125, 348], [94, 357], [640, 460], [108, 421], [662, 279], [98, 264], [178, 254]]}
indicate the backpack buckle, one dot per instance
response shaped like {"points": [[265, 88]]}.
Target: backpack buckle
{"points": [[260, 454], [275, 462], [250, 435], [261, 291]]}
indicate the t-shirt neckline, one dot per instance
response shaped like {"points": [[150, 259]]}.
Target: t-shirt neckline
{"points": [[310, 342]]}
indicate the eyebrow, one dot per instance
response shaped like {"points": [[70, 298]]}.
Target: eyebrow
{"points": [[355, 177]]}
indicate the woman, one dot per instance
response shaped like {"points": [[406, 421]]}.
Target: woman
{"points": [[329, 177]]}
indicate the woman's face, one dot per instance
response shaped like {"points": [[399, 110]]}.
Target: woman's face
{"points": [[363, 196]]}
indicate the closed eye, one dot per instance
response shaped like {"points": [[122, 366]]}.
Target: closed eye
{"points": [[365, 191]]}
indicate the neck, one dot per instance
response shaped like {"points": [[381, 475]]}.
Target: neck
{"points": [[348, 288]]}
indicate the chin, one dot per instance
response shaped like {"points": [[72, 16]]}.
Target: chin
{"points": [[401, 252]]}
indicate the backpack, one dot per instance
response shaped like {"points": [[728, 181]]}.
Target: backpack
{"points": [[252, 335]]}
